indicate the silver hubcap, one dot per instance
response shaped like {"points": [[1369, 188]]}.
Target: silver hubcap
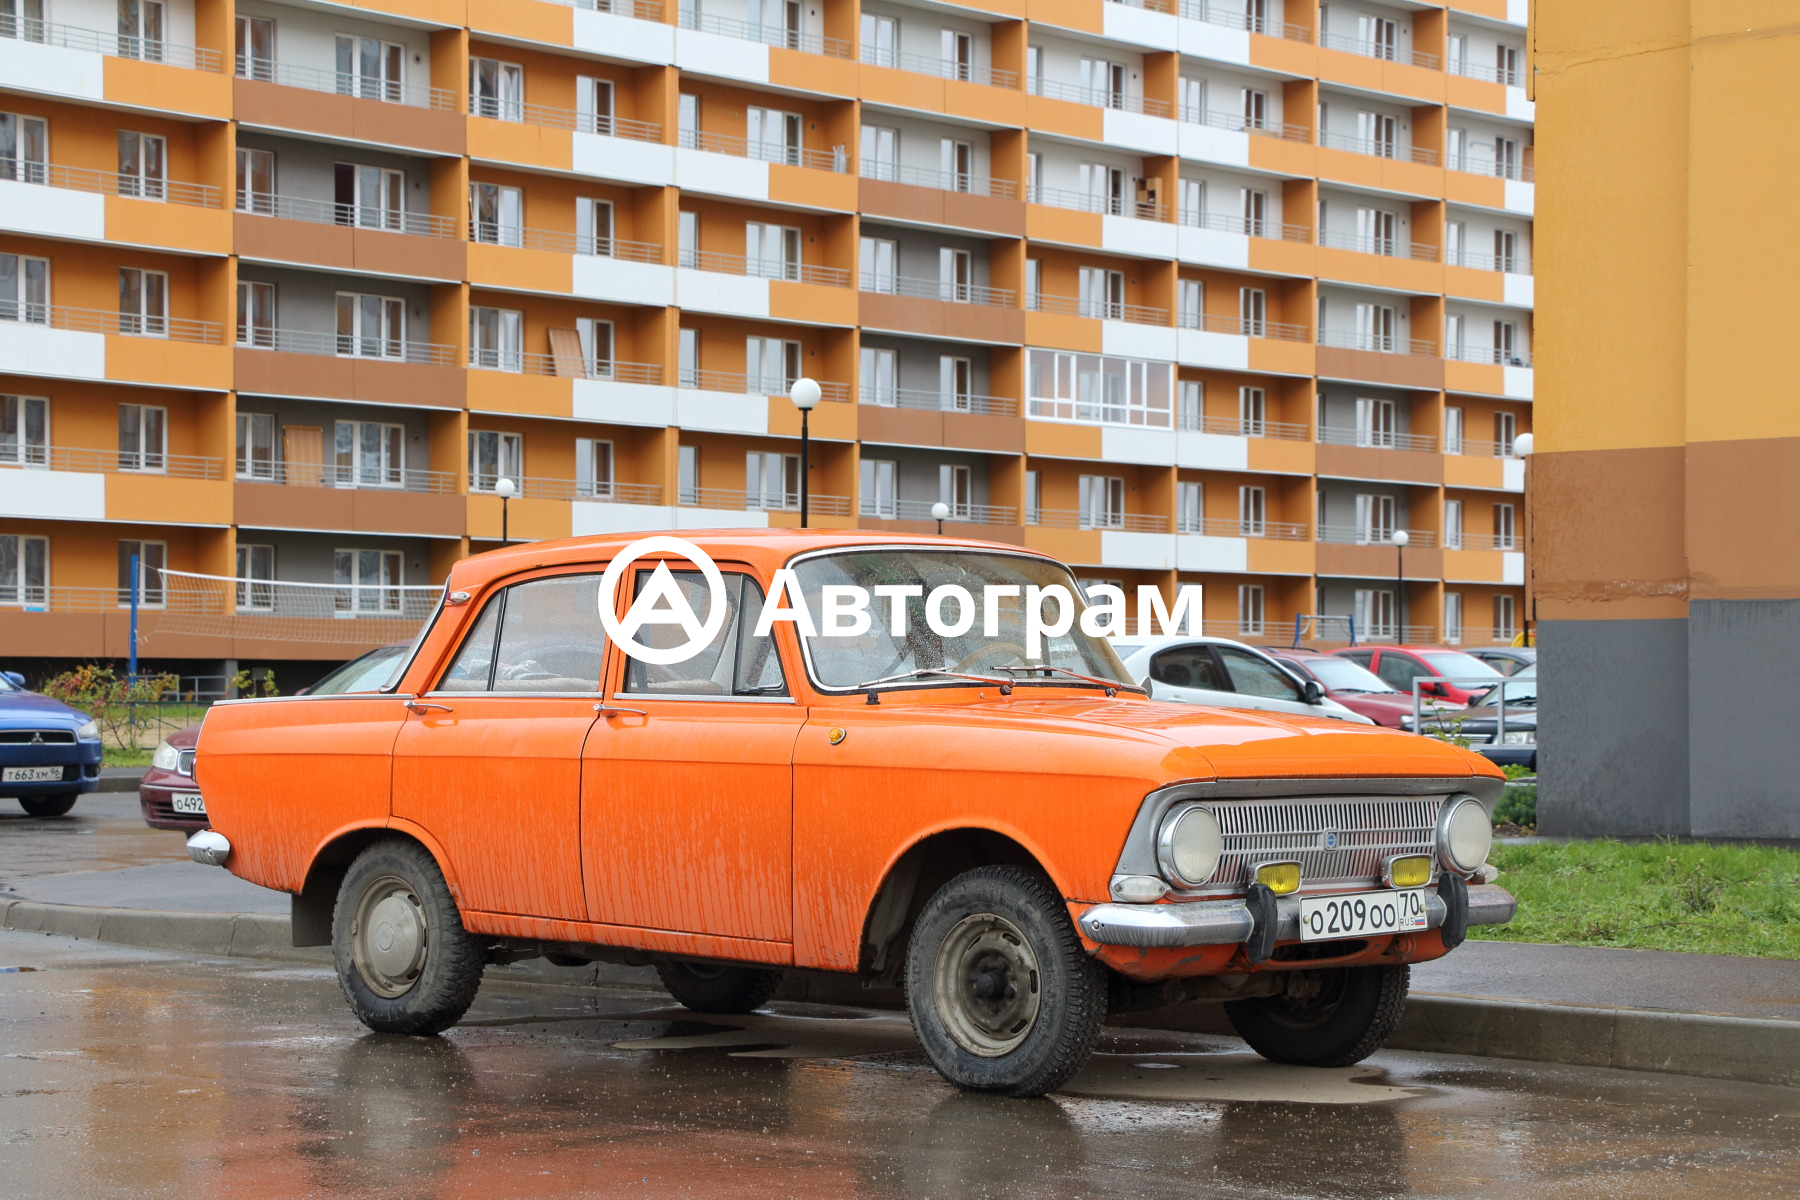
{"points": [[390, 938], [986, 985]]}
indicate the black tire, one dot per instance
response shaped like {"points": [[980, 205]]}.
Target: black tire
{"points": [[1348, 1017], [1002, 996], [714, 988], [404, 961], [48, 806]]}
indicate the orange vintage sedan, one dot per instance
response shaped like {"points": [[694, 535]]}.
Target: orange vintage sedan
{"points": [[909, 759]]}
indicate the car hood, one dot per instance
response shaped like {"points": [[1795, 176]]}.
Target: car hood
{"points": [[25, 710], [185, 738], [1198, 742]]}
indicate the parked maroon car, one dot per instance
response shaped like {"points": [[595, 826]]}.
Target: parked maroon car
{"points": [[1354, 687], [1398, 666]]}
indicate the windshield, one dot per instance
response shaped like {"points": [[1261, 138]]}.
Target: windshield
{"points": [[987, 640], [1453, 664], [1342, 675], [365, 674]]}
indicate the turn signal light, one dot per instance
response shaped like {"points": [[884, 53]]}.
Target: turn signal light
{"points": [[1409, 871], [1280, 878]]}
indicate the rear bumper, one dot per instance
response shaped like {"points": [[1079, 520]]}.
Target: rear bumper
{"points": [[1226, 922]]}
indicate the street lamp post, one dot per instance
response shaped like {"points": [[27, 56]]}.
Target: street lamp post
{"points": [[1399, 538], [506, 489], [805, 395], [939, 511]]}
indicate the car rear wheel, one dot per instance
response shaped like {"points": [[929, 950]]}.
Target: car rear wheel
{"points": [[1329, 1018], [715, 988], [1003, 998], [404, 961], [49, 806]]}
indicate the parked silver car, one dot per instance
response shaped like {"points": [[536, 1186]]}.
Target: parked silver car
{"points": [[1223, 673]]}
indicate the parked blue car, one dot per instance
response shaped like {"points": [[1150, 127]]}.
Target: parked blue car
{"points": [[49, 752]]}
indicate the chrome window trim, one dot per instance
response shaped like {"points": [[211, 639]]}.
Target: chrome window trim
{"points": [[593, 695], [310, 699], [812, 676], [686, 696]]}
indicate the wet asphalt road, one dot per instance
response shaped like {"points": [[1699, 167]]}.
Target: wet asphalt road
{"points": [[128, 1073]]}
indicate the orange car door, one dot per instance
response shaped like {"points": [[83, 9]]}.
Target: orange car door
{"points": [[687, 793], [490, 764]]}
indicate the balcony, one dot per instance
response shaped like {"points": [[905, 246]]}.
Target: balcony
{"points": [[329, 475], [935, 289], [1484, 354], [1500, 168], [600, 124], [1478, 448], [1098, 97], [344, 345], [920, 400], [1099, 310], [587, 490], [769, 35], [558, 241], [1069, 518], [566, 366], [1332, 435], [1377, 343], [1255, 227], [113, 45], [331, 366], [1225, 527], [324, 212], [944, 181], [1374, 48], [351, 498], [763, 268], [1378, 148], [1078, 201], [1383, 246], [754, 385], [1507, 76], [338, 83], [940, 68], [1505, 264], [837, 160], [1238, 123], [85, 460], [642, 10], [1251, 327], [1239, 427], [110, 183], [93, 320], [1358, 535], [728, 500], [920, 510], [347, 108]]}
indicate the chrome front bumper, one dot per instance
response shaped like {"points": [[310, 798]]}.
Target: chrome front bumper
{"points": [[1227, 922]]}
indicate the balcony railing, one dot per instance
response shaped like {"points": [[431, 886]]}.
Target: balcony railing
{"points": [[738, 501], [110, 183], [1239, 427], [920, 510], [313, 79], [592, 490], [1479, 448], [1069, 518], [1487, 354], [943, 181], [1357, 535], [87, 460], [643, 10], [602, 124], [1386, 247], [1501, 168], [1256, 227], [93, 320], [936, 289], [836, 159], [1507, 264], [1379, 343], [1378, 148], [559, 241], [324, 212], [331, 475], [942, 68], [1097, 97], [1279, 531], [372, 347], [1385, 51], [1101, 310], [768, 35], [114, 45], [568, 367], [1239, 123], [754, 385], [1237, 18], [1337, 435], [1116, 206], [929, 401], [1511, 78], [763, 268], [1256, 327], [1458, 540]]}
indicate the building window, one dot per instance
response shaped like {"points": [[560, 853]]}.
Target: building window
{"points": [[369, 580], [956, 276], [594, 227], [1034, 285], [1506, 431], [1506, 337], [1453, 430], [879, 270], [1453, 618], [1374, 614], [1506, 625], [1505, 537], [1102, 502], [24, 570], [151, 558], [956, 382], [255, 48], [880, 152], [143, 302], [496, 214], [143, 165], [880, 40], [141, 29], [593, 469], [687, 473], [24, 431], [256, 314], [771, 365], [594, 102], [493, 457], [1102, 293], [1253, 211], [24, 148], [1253, 312], [143, 437], [256, 578], [1191, 406], [1103, 189], [370, 197], [771, 481], [1034, 507], [774, 136], [1253, 512], [1377, 423], [256, 446], [496, 89], [1190, 507], [1253, 412], [1453, 525], [596, 337], [879, 369], [1453, 243], [1250, 609], [1191, 304], [688, 358], [370, 454], [1375, 519], [371, 326], [496, 339], [370, 68], [956, 488], [1097, 388], [255, 180], [771, 251]]}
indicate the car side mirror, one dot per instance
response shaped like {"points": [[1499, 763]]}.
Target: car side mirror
{"points": [[1313, 692], [1432, 689], [14, 678]]}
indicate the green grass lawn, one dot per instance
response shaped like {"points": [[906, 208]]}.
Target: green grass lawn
{"points": [[133, 756], [1707, 899]]}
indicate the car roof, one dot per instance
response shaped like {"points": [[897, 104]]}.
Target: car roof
{"points": [[1405, 649], [1163, 641], [1298, 652]]}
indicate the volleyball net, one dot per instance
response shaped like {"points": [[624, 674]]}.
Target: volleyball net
{"points": [[345, 614]]}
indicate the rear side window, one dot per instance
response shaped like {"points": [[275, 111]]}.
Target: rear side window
{"points": [[541, 636], [1188, 667], [1254, 675]]}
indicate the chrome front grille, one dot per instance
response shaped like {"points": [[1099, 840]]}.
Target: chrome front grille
{"points": [[1335, 840]]}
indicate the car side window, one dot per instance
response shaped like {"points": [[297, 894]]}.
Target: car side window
{"points": [[1253, 675], [735, 663], [1188, 667], [540, 636], [1400, 671]]}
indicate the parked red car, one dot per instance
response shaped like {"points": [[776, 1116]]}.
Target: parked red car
{"points": [[1398, 666], [1356, 688]]}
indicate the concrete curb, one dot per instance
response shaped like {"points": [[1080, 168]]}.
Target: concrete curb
{"points": [[1709, 1045]]}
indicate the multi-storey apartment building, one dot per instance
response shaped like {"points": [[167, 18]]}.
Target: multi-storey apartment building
{"points": [[1218, 291]]}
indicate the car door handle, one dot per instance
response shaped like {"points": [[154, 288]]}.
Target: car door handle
{"points": [[607, 710], [420, 706]]}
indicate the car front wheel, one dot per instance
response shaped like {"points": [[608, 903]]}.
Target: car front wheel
{"points": [[1002, 996], [48, 806], [1329, 1018], [403, 959]]}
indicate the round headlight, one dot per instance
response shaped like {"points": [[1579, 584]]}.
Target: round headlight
{"points": [[1465, 834], [1189, 846], [166, 758]]}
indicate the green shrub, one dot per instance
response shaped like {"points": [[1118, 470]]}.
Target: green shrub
{"points": [[1517, 806]]}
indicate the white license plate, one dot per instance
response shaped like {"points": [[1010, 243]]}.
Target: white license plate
{"points": [[31, 775], [1361, 914], [188, 802]]}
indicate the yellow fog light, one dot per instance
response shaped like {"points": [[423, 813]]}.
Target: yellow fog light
{"points": [[1407, 871], [1279, 877]]}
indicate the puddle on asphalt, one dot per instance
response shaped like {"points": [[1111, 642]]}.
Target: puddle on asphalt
{"points": [[1185, 1076]]}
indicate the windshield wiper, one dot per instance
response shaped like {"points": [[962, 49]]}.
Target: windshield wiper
{"points": [[1005, 685], [1112, 686]]}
